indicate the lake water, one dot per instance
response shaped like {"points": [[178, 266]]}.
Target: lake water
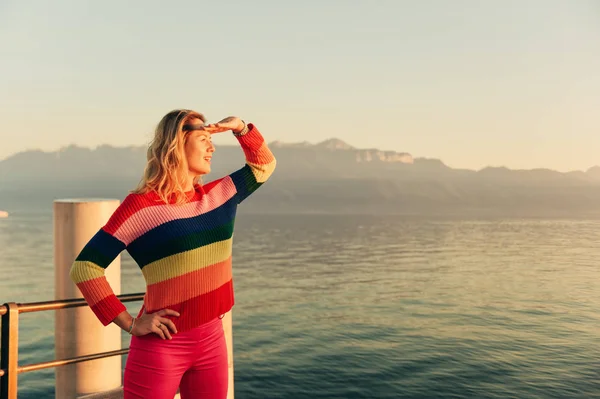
{"points": [[376, 307]]}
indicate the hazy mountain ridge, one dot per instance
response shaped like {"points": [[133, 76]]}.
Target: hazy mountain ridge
{"points": [[327, 176]]}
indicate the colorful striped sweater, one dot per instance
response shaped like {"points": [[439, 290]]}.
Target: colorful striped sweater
{"points": [[184, 251]]}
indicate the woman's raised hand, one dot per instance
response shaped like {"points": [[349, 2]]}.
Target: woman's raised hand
{"points": [[155, 323], [230, 123]]}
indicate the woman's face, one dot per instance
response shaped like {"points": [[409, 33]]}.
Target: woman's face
{"points": [[198, 150]]}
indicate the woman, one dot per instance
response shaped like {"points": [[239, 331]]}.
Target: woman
{"points": [[179, 232]]}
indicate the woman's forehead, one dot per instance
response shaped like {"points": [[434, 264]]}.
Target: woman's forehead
{"points": [[200, 133]]}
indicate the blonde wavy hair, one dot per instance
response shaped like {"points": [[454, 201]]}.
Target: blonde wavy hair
{"points": [[165, 171]]}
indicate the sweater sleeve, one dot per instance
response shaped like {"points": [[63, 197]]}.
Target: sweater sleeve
{"points": [[260, 164], [88, 270]]}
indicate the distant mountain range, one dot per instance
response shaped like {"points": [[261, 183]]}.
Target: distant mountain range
{"points": [[330, 176]]}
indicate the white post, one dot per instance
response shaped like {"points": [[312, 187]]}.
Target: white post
{"points": [[78, 331]]}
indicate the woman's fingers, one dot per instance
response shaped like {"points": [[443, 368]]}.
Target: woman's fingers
{"points": [[158, 331], [170, 325], [161, 324], [217, 129], [168, 312], [165, 331], [161, 329], [223, 125]]}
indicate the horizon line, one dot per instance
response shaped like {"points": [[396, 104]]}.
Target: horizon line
{"points": [[352, 148]]}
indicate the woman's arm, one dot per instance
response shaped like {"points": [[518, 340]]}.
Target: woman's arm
{"points": [[260, 161], [88, 273]]}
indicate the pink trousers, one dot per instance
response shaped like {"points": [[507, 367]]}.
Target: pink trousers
{"points": [[194, 361]]}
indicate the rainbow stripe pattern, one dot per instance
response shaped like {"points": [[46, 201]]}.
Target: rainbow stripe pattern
{"points": [[183, 251]]}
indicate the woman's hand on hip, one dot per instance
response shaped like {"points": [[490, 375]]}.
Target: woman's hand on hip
{"points": [[232, 123], [155, 323]]}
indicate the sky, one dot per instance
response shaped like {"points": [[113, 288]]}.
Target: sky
{"points": [[474, 83]]}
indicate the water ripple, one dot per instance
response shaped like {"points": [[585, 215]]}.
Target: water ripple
{"points": [[368, 307]]}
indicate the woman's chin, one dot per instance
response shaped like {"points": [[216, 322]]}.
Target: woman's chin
{"points": [[204, 171]]}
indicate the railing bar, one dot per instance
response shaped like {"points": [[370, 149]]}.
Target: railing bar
{"points": [[64, 362], [40, 307], [66, 304], [10, 370]]}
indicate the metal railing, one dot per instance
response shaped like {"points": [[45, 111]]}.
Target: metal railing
{"points": [[9, 348]]}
